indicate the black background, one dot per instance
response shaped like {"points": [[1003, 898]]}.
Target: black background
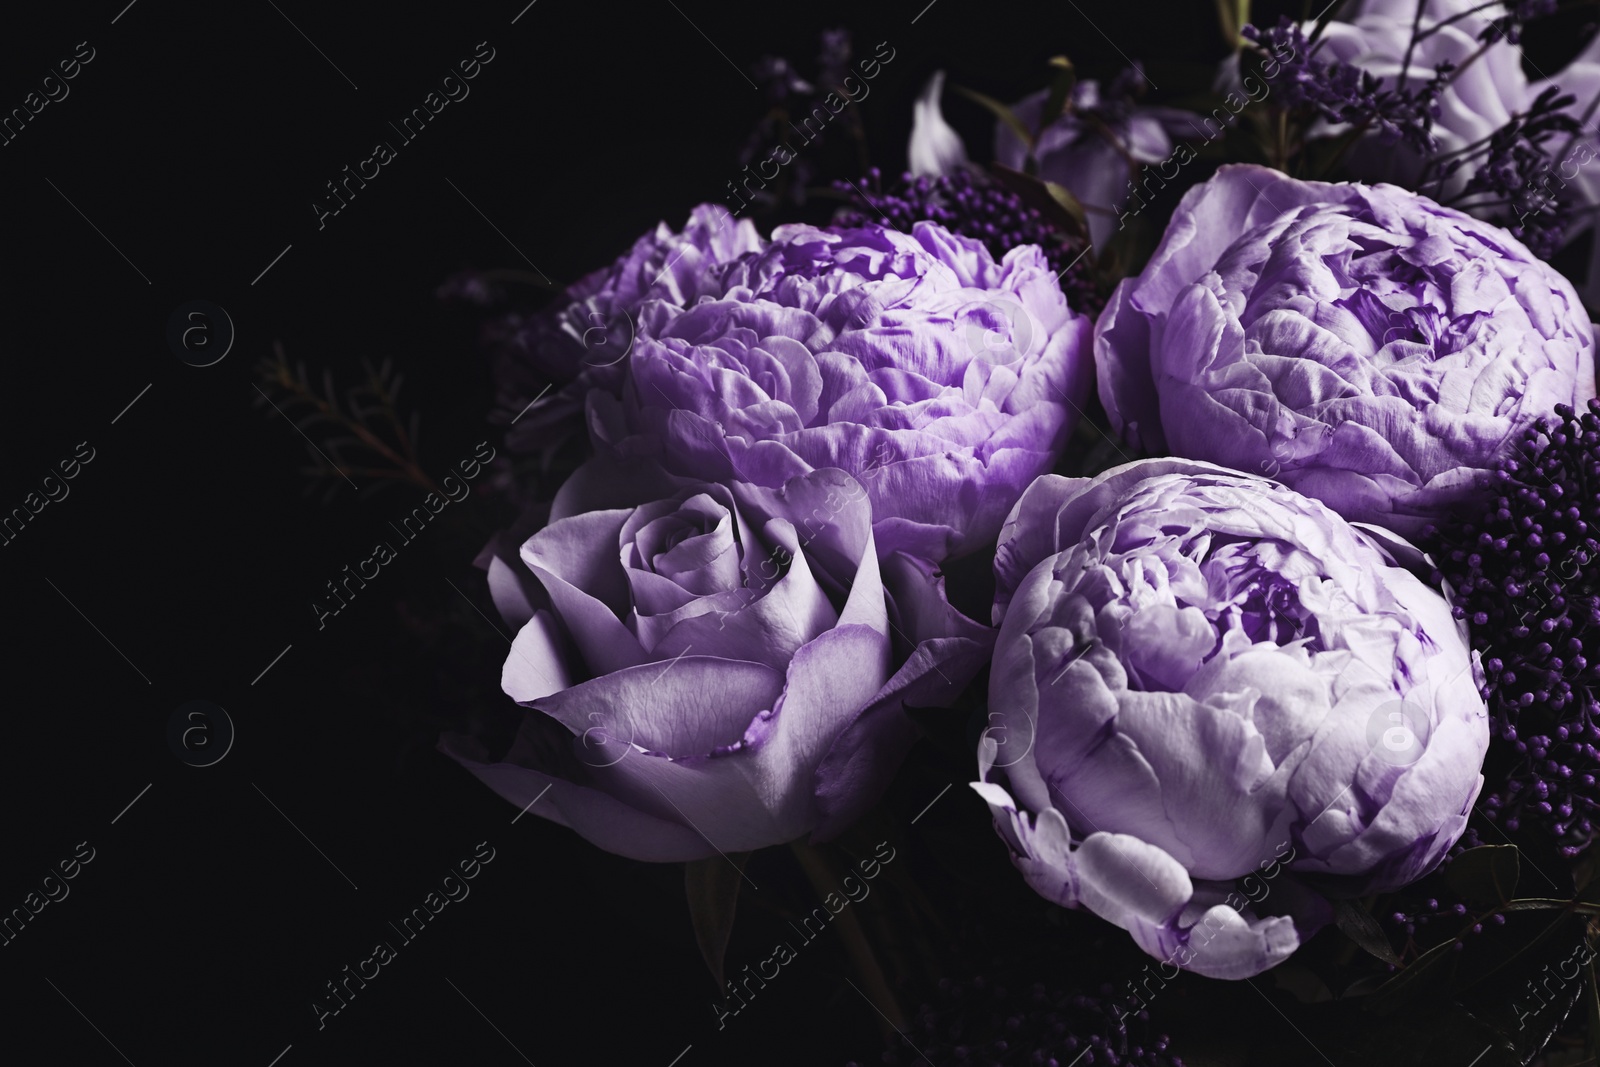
{"points": [[187, 554]]}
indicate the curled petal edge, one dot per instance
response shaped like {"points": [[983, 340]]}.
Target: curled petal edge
{"points": [[1136, 886]]}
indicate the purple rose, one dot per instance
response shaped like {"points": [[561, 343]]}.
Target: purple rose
{"points": [[1210, 693], [1361, 344], [581, 341], [943, 380], [720, 670]]}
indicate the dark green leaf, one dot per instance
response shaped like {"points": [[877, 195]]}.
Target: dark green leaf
{"points": [[1476, 997], [1052, 201], [1001, 112], [1232, 15], [1424, 975], [1586, 878], [1060, 97], [1583, 873], [1359, 926], [1322, 21], [1484, 876], [1302, 983], [712, 886], [1526, 999], [1537, 904], [1069, 204]]}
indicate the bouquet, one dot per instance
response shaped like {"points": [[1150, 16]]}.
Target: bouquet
{"points": [[1201, 486]]}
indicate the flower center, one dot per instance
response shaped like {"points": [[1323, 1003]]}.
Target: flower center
{"points": [[1258, 602]]}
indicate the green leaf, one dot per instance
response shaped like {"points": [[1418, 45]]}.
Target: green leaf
{"points": [[1069, 204], [1359, 926], [712, 886], [1538, 904], [1001, 112], [1480, 986], [1232, 16], [1586, 878], [1526, 999], [1484, 876], [1425, 974], [1583, 872], [1466, 1002], [1060, 97], [1052, 201]]}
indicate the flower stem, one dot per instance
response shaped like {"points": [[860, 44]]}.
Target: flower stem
{"points": [[825, 880]]}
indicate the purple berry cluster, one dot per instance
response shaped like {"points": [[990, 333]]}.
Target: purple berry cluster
{"points": [[1516, 170], [1525, 578], [1445, 918], [1418, 922], [980, 1023], [969, 204]]}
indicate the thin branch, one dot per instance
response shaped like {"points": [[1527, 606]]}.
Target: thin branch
{"points": [[297, 385]]}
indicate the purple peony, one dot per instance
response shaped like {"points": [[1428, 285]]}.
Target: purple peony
{"points": [[967, 203], [719, 670], [581, 341], [1213, 703], [1361, 344], [945, 381]]}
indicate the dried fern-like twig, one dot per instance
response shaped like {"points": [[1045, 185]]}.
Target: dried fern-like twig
{"points": [[353, 430]]}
